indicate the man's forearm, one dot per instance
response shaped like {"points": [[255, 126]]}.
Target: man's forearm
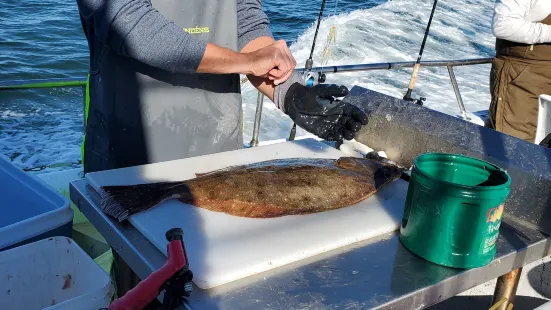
{"points": [[272, 61], [264, 85], [219, 60]]}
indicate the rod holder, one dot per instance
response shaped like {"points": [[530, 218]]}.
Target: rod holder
{"points": [[257, 117]]}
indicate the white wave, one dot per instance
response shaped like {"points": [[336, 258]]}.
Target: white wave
{"points": [[394, 31], [9, 114], [53, 140]]}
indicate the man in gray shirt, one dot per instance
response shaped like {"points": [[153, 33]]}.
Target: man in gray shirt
{"points": [[164, 80]]}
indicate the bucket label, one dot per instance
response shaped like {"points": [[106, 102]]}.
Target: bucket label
{"points": [[494, 214], [493, 220]]}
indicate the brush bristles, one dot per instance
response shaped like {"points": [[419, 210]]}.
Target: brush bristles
{"points": [[120, 202]]}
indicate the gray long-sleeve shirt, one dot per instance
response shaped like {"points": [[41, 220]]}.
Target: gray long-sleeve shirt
{"points": [[135, 29]]}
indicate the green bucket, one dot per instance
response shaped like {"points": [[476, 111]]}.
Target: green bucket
{"points": [[453, 209]]}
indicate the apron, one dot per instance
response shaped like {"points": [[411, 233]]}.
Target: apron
{"points": [[140, 114], [520, 73]]}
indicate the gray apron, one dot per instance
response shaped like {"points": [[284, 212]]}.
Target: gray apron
{"points": [[140, 115]]}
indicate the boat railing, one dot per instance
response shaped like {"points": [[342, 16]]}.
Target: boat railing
{"points": [[450, 64]]}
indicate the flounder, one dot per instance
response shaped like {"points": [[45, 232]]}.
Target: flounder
{"points": [[265, 189]]}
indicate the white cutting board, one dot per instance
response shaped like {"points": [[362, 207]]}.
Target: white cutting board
{"points": [[223, 248]]}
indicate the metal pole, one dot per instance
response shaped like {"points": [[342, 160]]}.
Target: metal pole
{"points": [[257, 116], [457, 93], [397, 65], [506, 290]]}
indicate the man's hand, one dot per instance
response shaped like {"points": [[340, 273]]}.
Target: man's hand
{"points": [[273, 61], [318, 111]]}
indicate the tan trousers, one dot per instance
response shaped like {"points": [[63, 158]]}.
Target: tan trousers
{"points": [[516, 86], [520, 74]]}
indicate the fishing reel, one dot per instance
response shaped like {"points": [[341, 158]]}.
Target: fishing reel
{"points": [[312, 79], [419, 101]]}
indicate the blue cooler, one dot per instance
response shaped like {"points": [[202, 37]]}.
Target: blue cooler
{"points": [[30, 210]]}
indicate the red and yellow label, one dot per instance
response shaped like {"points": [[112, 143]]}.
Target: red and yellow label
{"points": [[494, 214]]}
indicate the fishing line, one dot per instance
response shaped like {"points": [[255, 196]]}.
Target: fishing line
{"points": [[418, 62]]}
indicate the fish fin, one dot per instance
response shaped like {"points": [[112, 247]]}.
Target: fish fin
{"points": [[201, 174], [385, 175], [120, 202], [384, 161], [348, 163]]}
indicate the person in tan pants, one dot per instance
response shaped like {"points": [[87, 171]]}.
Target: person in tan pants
{"points": [[521, 70]]}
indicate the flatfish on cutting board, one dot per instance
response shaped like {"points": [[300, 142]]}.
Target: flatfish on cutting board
{"points": [[265, 189]]}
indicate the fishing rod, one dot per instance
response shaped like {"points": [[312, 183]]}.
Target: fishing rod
{"points": [[310, 77], [413, 79], [310, 61]]}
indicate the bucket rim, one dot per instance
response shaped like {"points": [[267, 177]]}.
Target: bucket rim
{"points": [[507, 183]]}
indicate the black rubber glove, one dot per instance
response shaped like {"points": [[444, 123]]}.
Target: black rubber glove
{"points": [[316, 110], [546, 142]]}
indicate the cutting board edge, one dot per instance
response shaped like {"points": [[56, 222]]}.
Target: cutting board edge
{"points": [[263, 267]]}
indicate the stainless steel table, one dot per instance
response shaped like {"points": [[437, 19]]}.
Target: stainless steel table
{"points": [[374, 274]]}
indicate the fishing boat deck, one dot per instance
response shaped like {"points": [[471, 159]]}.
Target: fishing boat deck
{"points": [[377, 273]]}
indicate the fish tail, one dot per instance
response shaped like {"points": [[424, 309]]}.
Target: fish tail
{"points": [[384, 161], [123, 201]]}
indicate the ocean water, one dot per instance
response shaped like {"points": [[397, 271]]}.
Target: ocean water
{"points": [[43, 39]]}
